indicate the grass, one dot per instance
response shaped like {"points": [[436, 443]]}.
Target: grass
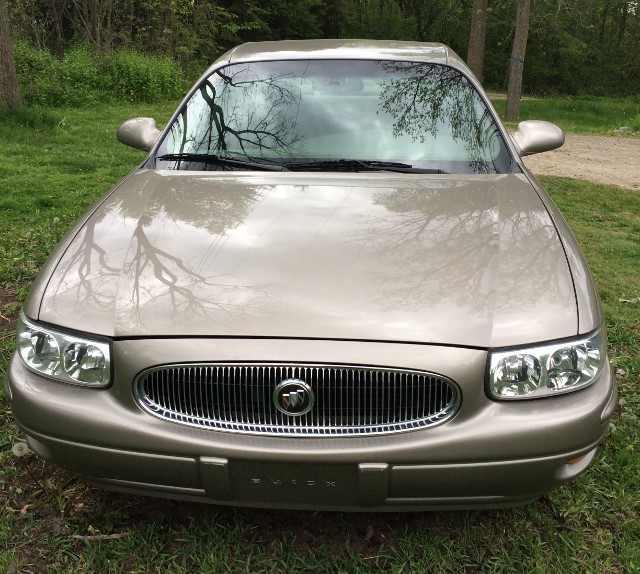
{"points": [[588, 115], [52, 522]]}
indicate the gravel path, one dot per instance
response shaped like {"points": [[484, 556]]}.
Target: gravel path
{"points": [[608, 160]]}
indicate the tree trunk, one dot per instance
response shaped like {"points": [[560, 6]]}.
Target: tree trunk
{"points": [[623, 23], [603, 22], [57, 10], [9, 89], [516, 64], [477, 36]]}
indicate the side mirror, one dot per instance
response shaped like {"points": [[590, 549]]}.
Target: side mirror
{"points": [[139, 133], [535, 136]]}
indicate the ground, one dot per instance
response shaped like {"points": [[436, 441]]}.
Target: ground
{"points": [[607, 160]]}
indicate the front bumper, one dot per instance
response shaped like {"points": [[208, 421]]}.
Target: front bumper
{"points": [[491, 454]]}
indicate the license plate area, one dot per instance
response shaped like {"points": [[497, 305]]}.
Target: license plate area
{"points": [[294, 483]]}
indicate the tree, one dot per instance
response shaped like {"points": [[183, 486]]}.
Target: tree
{"points": [[516, 64], [97, 21], [435, 20], [9, 89], [477, 37], [291, 19]]}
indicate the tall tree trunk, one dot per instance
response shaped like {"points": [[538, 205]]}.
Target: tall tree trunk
{"points": [[477, 36], [57, 10], [9, 89], [623, 23], [603, 22], [516, 65]]}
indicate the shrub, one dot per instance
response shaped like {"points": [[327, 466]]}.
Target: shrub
{"points": [[83, 77], [137, 77], [79, 77], [35, 69]]}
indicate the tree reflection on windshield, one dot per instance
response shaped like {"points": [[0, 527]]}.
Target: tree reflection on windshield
{"points": [[426, 101], [260, 118], [426, 115]]}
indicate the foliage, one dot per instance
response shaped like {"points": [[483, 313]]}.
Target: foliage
{"points": [[135, 77], [50, 521], [83, 77], [575, 46], [192, 33], [291, 19]]}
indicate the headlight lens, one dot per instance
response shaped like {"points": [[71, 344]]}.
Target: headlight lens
{"points": [[546, 370], [62, 356], [517, 375]]}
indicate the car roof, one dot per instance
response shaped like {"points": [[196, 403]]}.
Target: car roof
{"points": [[343, 49]]}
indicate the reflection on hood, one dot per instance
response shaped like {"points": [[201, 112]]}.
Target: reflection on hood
{"points": [[459, 260]]}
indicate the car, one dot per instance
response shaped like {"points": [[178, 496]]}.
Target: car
{"points": [[331, 284]]}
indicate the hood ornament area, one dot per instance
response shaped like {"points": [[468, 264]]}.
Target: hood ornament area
{"points": [[293, 397]]}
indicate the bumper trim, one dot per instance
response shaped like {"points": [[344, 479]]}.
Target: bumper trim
{"points": [[215, 477], [373, 483]]}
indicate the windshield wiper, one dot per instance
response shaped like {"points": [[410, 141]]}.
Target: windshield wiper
{"points": [[357, 165], [220, 160]]}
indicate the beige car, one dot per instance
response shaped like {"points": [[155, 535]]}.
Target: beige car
{"points": [[332, 284]]}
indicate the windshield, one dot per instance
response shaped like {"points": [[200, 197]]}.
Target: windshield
{"points": [[335, 115]]}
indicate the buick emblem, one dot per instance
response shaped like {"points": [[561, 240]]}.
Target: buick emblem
{"points": [[293, 397]]}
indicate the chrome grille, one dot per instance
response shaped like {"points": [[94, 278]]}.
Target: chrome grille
{"points": [[349, 400]]}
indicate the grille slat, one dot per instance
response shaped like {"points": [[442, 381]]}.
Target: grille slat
{"points": [[349, 400]]}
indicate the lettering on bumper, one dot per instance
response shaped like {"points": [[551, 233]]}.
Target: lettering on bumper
{"points": [[277, 482]]}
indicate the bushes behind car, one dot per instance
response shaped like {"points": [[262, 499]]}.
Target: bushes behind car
{"points": [[83, 77]]}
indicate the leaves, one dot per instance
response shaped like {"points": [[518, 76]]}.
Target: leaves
{"points": [[570, 49]]}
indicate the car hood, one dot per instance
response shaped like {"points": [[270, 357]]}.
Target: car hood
{"points": [[456, 260]]}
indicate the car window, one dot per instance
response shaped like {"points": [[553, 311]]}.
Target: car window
{"points": [[282, 113]]}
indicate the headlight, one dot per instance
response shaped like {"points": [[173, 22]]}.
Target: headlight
{"points": [[62, 356], [546, 370]]}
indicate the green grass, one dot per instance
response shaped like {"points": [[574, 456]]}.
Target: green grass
{"points": [[589, 115], [52, 522]]}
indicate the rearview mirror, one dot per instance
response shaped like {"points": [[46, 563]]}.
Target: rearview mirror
{"points": [[139, 133], [535, 136]]}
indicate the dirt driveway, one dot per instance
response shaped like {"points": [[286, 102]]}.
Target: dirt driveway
{"points": [[608, 160]]}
